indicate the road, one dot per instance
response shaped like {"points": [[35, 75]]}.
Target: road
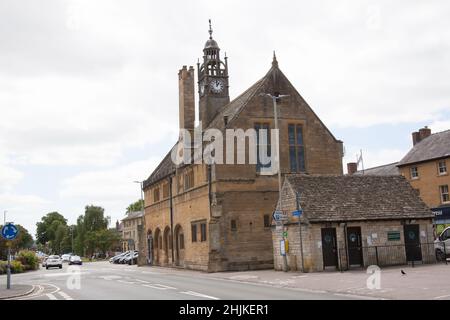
{"points": [[102, 280]]}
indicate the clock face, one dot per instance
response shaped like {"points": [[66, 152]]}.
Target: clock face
{"points": [[217, 85]]}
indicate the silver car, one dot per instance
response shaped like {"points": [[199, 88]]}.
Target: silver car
{"points": [[53, 261]]}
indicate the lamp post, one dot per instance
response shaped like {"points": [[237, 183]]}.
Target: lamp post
{"points": [[141, 184], [275, 98]]}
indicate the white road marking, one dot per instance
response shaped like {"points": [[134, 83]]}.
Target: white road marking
{"points": [[110, 277], [128, 282], [158, 286], [51, 296], [441, 297], [142, 281], [196, 294], [65, 295], [64, 274]]}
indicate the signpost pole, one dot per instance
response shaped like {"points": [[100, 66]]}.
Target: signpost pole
{"points": [[300, 230], [8, 268]]}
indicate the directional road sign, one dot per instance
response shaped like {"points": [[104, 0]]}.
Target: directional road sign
{"points": [[9, 231]]}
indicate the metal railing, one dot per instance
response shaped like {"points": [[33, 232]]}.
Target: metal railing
{"points": [[392, 255]]}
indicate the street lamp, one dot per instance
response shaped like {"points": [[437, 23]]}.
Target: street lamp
{"points": [[4, 217], [142, 193], [275, 98]]}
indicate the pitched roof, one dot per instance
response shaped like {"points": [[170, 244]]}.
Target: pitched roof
{"points": [[350, 198], [164, 169], [390, 169], [435, 146], [134, 215]]}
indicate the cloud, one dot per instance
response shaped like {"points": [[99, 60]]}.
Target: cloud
{"points": [[24, 209]]}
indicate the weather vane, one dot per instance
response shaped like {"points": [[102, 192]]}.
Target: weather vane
{"points": [[210, 29]]}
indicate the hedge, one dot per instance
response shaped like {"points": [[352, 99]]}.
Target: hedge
{"points": [[28, 259]]}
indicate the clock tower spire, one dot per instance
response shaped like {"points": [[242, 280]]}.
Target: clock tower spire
{"points": [[212, 81]]}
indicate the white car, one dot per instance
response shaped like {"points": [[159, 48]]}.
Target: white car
{"points": [[65, 257], [53, 261], [442, 245]]}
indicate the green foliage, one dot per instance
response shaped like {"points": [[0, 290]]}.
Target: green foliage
{"points": [[47, 227], [136, 206], [28, 259], [16, 267]]}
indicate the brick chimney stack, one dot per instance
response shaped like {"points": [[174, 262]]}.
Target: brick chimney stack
{"points": [[352, 167], [187, 97], [423, 133]]}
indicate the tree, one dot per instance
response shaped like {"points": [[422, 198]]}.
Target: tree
{"points": [[94, 218], [24, 240], [136, 206], [47, 227]]}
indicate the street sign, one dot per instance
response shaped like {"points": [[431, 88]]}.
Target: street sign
{"points": [[297, 213], [9, 231], [282, 247], [279, 215]]}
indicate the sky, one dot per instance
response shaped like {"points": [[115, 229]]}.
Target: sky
{"points": [[89, 89]]}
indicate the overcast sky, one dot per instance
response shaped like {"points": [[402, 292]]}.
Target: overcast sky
{"points": [[89, 89]]}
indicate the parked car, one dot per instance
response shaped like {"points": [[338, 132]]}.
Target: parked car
{"points": [[66, 257], [116, 258], [121, 260], [131, 257], [75, 260], [442, 245], [53, 261]]}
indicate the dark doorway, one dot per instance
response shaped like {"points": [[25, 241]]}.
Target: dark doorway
{"points": [[354, 243], [329, 247], [150, 248], [412, 242]]}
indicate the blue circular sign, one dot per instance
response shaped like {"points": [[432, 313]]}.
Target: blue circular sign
{"points": [[9, 231]]}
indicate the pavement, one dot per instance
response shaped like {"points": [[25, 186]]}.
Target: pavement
{"points": [[18, 290], [102, 280]]}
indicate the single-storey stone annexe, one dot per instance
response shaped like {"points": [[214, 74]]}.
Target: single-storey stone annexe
{"points": [[350, 221]]}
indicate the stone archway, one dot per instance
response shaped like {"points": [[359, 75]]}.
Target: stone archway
{"points": [[167, 245], [157, 246], [179, 245]]}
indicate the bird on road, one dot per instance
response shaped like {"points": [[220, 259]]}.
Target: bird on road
{"points": [[403, 272]]}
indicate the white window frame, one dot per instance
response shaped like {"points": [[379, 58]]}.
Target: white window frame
{"points": [[444, 166], [441, 191], [416, 171]]}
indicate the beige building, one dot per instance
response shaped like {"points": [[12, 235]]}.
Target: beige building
{"points": [[351, 221], [130, 230], [218, 217], [426, 166]]}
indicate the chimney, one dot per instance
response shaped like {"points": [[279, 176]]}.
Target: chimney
{"points": [[424, 133], [352, 167], [418, 136], [187, 100]]}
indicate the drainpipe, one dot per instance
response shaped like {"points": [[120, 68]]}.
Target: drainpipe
{"points": [[171, 217], [209, 188]]}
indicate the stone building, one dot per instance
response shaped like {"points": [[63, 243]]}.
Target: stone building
{"points": [[130, 230], [352, 221], [426, 167], [217, 217]]}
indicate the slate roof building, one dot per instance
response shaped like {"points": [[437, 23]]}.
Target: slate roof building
{"points": [[352, 221], [217, 217], [426, 167]]}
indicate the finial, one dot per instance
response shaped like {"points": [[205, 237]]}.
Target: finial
{"points": [[210, 29], [274, 61]]}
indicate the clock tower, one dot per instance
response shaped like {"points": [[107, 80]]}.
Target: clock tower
{"points": [[212, 81]]}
